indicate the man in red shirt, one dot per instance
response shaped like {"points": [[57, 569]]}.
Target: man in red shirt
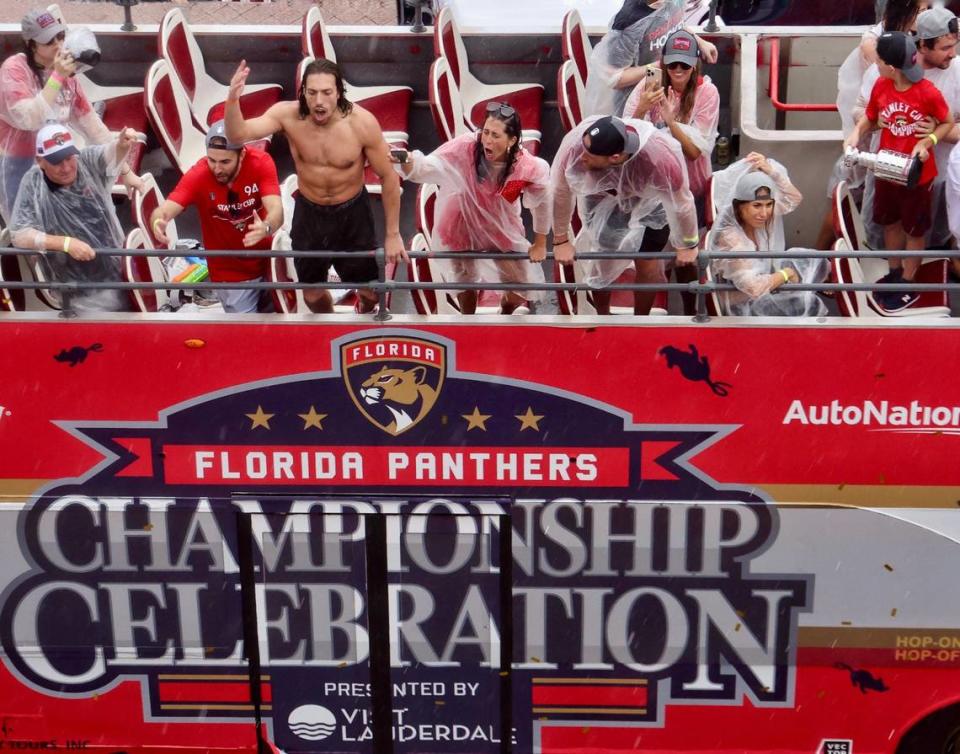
{"points": [[900, 103], [237, 194]]}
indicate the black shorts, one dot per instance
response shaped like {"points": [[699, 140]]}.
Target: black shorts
{"points": [[334, 227]]}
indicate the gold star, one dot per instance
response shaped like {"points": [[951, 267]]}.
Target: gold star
{"points": [[312, 419], [476, 420], [529, 420], [260, 419]]}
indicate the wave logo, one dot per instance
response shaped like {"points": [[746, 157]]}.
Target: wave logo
{"points": [[312, 722]]}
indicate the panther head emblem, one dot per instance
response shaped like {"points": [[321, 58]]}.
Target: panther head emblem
{"points": [[404, 393]]}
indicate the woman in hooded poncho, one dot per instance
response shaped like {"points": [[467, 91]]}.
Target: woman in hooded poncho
{"points": [[752, 195]]}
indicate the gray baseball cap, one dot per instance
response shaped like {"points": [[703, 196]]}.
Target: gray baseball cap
{"points": [[753, 186], [217, 138], [936, 22], [40, 26], [681, 47]]}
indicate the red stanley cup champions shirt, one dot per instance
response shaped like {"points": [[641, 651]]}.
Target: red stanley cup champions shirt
{"points": [[226, 212], [902, 111]]}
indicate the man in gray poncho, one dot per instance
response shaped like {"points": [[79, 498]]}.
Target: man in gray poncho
{"points": [[64, 209]]}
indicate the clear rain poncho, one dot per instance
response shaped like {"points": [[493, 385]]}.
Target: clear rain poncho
{"points": [[637, 34], [24, 110], [755, 279], [82, 210], [475, 215], [701, 128], [616, 204]]}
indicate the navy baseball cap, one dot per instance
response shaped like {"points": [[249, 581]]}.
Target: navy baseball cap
{"points": [[899, 50], [610, 135]]}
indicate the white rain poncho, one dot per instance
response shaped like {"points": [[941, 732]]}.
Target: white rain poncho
{"points": [[701, 130], [755, 278], [24, 110], [616, 204], [475, 215], [849, 82], [637, 34], [82, 210]]}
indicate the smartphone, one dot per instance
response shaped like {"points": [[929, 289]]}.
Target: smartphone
{"points": [[651, 72], [400, 155]]}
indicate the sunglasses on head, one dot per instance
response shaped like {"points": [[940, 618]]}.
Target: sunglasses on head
{"points": [[681, 66], [500, 108]]}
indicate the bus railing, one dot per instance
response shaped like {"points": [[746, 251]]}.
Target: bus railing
{"points": [[773, 87], [383, 287]]}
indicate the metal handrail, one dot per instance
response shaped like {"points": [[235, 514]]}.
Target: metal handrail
{"points": [[773, 88], [700, 288]]}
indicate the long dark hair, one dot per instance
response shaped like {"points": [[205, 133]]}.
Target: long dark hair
{"points": [[511, 124], [899, 15], [30, 50], [689, 93], [322, 65]]}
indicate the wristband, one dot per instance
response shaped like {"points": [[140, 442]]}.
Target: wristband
{"points": [[54, 83], [786, 275], [66, 244], [565, 239], [691, 242], [154, 226], [934, 139]]}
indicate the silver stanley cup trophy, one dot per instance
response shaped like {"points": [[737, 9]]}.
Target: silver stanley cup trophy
{"points": [[896, 167]]}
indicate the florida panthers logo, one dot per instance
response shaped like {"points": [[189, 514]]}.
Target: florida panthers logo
{"points": [[394, 382], [402, 392]]}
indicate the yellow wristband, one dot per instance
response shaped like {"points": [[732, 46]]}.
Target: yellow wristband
{"points": [[154, 226], [934, 139], [786, 275], [66, 244], [54, 83]]}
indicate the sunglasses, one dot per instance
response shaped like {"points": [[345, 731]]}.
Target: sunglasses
{"points": [[500, 108], [678, 65]]}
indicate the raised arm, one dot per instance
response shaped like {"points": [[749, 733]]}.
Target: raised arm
{"points": [[240, 130], [26, 108], [377, 152]]}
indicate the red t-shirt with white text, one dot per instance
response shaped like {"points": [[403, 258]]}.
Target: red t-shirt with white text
{"points": [[227, 211], [901, 111]]}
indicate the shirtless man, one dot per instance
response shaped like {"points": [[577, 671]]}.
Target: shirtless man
{"points": [[330, 139]]}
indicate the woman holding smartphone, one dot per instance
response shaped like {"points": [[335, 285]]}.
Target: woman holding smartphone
{"points": [[483, 178], [676, 97]]}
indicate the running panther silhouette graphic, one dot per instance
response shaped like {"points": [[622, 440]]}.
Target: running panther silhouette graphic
{"points": [[77, 354], [694, 367], [863, 679]]}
